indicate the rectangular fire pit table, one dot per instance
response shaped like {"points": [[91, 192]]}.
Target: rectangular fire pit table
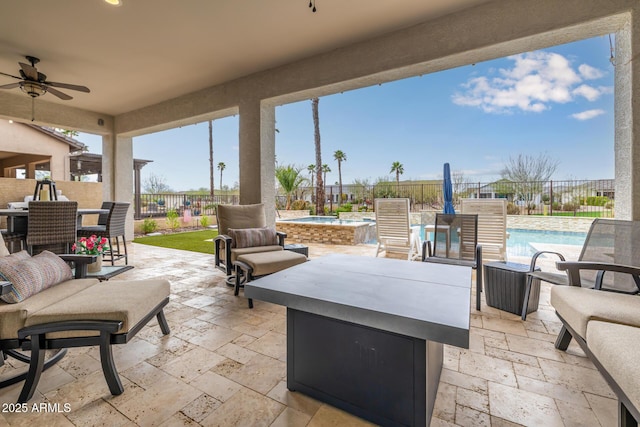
{"points": [[366, 334]]}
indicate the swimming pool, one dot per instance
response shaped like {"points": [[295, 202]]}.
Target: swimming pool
{"points": [[518, 243], [520, 240]]}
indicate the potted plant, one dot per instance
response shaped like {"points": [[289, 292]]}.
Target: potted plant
{"points": [[92, 245]]}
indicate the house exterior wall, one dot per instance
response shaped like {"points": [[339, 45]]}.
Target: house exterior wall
{"points": [[491, 30], [22, 139], [87, 194]]}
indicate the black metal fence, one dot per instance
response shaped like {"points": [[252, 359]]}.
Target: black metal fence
{"points": [[157, 205], [562, 198]]}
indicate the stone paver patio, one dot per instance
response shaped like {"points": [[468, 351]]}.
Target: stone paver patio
{"points": [[225, 365]]}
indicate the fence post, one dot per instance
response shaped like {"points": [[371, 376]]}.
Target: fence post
{"points": [[478, 194], [422, 196], [331, 199], [551, 198]]}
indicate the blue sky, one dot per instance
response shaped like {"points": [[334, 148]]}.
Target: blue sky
{"points": [[557, 101]]}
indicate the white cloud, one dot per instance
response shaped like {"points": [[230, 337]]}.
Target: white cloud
{"points": [[590, 73], [587, 115], [589, 92], [536, 80]]}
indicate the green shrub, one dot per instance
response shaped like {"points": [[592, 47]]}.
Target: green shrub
{"points": [[512, 209], [172, 219], [556, 206], [570, 207], [205, 221], [149, 225], [596, 200], [347, 207], [299, 205]]}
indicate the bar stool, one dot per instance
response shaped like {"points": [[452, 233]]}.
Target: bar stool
{"points": [[53, 194]]}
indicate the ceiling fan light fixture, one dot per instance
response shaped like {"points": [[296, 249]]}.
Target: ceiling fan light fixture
{"points": [[114, 2], [33, 89]]}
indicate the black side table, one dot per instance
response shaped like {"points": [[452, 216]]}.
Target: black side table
{"points": [[505, 287], [298, 248]]}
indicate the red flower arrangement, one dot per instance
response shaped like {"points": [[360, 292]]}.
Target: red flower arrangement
{"points": [[93, 245]]}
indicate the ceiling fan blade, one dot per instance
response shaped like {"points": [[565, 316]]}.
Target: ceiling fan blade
{"points": [[59, 94], [69, 86], [29, 71], [10, 86], [10, 75]]}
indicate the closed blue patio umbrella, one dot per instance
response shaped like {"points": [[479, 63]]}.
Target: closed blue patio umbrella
{"points": [[447, 190]]}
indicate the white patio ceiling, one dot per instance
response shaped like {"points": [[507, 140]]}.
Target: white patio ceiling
{"points": [[149, 51]]}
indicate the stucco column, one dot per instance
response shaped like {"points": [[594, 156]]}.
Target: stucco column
{"points": [[257, 156], [117, 173], [627, 121]]}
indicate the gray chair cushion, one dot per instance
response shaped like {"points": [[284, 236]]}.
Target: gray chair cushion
{"points": [[578, 306], [616, 348], [270, 262]]}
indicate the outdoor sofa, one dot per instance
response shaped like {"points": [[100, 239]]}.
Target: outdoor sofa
{"points": [[45, 308]]}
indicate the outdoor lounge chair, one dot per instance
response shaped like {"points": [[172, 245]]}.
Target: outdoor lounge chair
{"points": [[492, 225], [44, 308], [608, 243], [229, 244], [455, 241], [393, 228]]}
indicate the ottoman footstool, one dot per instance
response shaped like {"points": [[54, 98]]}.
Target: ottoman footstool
{"points": [[252, 266]]}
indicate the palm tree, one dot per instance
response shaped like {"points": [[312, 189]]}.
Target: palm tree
{"points": [[221, 167], [340, 156], [320, 183], [399, 170], [312, 170], [290, 179], [325, 169]]}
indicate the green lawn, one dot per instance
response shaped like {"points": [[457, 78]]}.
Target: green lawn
{"points": [[195, 241]]}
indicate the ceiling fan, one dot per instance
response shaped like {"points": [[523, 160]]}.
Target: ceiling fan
{"points": [[34, 83]]}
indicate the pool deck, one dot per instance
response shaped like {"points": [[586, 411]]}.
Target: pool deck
{"points": [[225, 365]]}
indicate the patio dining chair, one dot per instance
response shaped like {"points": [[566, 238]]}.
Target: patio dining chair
{"points": [[113, 228], [455, 242], [51, 226]]}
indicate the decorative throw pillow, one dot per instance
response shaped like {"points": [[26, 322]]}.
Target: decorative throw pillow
{"points": [[251, 237], [30, 275], [3, 248]]}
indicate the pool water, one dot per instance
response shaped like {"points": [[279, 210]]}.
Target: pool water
{"points": [[519, 241]]}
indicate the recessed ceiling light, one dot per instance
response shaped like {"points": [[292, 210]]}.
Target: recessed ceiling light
{"points": [[114, 2]]}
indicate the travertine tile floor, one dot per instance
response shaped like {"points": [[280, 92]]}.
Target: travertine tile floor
{"points": [[224, 365]]}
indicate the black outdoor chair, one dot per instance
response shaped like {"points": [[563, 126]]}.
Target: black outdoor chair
{"points": [[236, 217], [609, 244], [455, 242], [111, 226]]}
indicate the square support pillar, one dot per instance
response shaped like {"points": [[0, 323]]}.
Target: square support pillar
{"points": [[257, 156], [117, 174], [627, 121]]}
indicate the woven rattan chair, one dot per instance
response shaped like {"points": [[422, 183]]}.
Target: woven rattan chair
{"points": [[51, 226], [455, 241], [113, 228]]}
